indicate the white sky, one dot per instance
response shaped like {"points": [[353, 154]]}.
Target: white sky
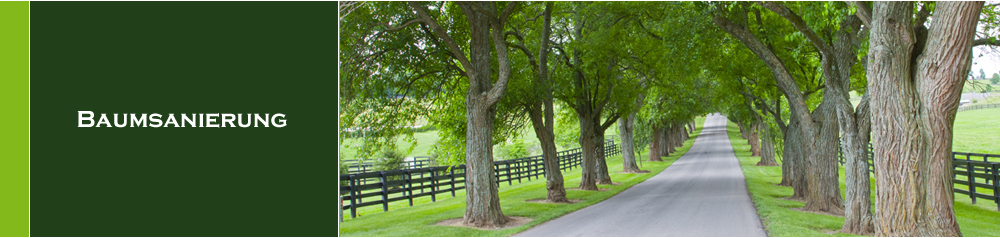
{"points": [[989, 61]]}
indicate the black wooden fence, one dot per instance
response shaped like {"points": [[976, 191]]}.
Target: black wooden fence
{"points": [[382, 187], [980, 106], [355, 167], [979, 176]]}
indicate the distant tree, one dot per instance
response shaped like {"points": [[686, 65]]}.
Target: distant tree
{"points": [[982, 74], [995, 79]]}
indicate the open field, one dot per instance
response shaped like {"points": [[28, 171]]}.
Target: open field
{"points": [[781, 220], [419, 220], [978, 131]]}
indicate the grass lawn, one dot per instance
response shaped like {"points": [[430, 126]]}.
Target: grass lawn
{"points": [[781, 220], [419, 220], [978, 131], [425, 140]]}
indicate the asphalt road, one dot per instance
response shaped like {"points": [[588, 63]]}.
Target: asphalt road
{"points": [[702, 194]]}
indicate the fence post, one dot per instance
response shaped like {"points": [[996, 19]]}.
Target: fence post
{"points": [[452, 175], [354, 194], [433, 186], [421, 182], [409, 186], [543, 167], [969, 170], [996, 185], [509, 181], [385, 190]]}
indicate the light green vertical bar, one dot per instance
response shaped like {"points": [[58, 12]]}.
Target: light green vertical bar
{"points": [[14, 131]]}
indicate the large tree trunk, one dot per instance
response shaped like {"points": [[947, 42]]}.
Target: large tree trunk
{"points": [[664, 146], [753, 138], [766, 145], [588, 152], [793, 167], [823, 191], [855, 133], [654, 144], [854, 127], [628, 144], [914, 98], [482, 201], [603, 175], [625, 131]]}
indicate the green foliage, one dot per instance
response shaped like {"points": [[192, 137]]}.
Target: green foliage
{"points": [[514, 149], [342, 169], [390, 160], [995, 79], [567, 128]]}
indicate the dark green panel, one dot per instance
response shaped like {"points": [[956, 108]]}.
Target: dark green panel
{"points": [[183, 57]]}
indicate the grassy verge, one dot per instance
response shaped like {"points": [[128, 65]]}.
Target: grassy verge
{"points": [[419, 220], [781, 220]]}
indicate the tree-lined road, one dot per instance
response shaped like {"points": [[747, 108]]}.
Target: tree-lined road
{"points": [[702, 194]]}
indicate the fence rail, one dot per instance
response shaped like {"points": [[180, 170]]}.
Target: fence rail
{"points": [[383, 187], [980, 106], [967, 170], [356, 167]]}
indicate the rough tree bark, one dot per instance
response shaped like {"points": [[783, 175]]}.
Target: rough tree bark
{"points": [[915, 82], [823, 189]]}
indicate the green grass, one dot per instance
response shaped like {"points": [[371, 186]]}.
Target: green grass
{"points": [[781, 220], [425, 140], [419, 220], [977, 131]]}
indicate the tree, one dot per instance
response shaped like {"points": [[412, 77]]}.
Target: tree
{"points": [[817, 129], [536, 98], [915, 81], [995, 79], [595, 84], [389, 42]]}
